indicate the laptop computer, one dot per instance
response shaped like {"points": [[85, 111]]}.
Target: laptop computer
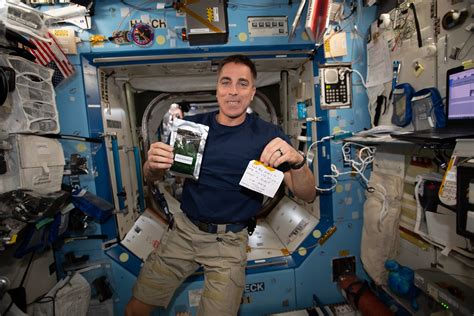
{"points": [[459, 111]]}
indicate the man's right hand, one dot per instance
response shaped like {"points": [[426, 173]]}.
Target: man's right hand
{"points": [[160, 158]]}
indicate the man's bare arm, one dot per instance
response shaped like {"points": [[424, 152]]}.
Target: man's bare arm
{"points": [[300, 181]]}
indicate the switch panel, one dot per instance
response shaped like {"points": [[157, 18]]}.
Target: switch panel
{"points": [[267, 26]]}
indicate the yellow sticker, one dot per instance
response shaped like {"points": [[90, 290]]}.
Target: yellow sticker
{"points": [[81, 147], [259, 163], [210, 14], [468, 64], [317, 233], [124, 257], [418, 68], [61, 32], [160, 40], [327, 46], [242, 37], [344, 253], [302, 251], [12, 240]]}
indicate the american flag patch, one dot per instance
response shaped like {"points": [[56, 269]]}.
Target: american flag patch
{"points": [[50, 55]]}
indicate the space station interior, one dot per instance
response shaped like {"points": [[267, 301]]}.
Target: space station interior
{"points": [[87, 88], [277, 229]]}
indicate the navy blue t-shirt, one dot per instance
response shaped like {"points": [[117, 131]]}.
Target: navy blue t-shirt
{"points": [[217, 197]]}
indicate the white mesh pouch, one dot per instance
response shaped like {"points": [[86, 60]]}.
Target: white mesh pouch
{"points": [[31, 108]]}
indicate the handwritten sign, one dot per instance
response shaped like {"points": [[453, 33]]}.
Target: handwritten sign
{"points": [[261, 179]]}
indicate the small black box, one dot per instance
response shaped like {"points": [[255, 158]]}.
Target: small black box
{"points": [[465, 200], [207, 22]]}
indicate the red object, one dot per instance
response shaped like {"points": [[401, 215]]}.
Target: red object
{"points": [[317, 19], [420, 161], [358, 293], [184, 36], [50, 55]]}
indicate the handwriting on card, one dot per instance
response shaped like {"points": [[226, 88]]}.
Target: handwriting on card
{"points": [[261, 179]]}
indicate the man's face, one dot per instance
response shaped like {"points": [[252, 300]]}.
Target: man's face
{"points": [[235, 91]]}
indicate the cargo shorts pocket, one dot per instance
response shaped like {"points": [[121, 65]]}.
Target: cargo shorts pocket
{"points": [[237, 276], [237, 279], [232, 247], [164, 240]]}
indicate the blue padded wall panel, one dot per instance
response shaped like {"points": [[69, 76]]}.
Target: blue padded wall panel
{"points": [[314, 276], [111, 16], [70, 101]]}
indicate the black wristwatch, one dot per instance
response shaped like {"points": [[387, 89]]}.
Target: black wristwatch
{"points": [[301, 164]]}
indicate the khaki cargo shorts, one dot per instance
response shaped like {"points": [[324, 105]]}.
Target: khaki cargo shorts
{"points": [[182, 251]]}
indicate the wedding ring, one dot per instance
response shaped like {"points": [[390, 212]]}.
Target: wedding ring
{"points": [[279, 150]]}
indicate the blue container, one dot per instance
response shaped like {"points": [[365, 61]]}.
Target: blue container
{"points": [[401, 282], [93, 205]]}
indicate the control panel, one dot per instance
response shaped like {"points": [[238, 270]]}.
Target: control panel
{"points": [[446, 290], [267, 26], [336, 88]]}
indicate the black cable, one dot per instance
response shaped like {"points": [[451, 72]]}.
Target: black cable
{"points": [[3, 86], [74, 138], [22, 281], [163, 204], [41, 300], [464, 45], [50, 299], [8, 308], [353, 10], [417, 25], [347, 17]]}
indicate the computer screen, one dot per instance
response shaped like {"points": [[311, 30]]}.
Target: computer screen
{"points": [[461, 95]]}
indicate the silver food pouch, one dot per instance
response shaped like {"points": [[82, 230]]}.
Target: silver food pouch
{"points": [[188, 140]]}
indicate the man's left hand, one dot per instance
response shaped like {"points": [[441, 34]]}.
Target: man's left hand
{"points": [[279, 151]]}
